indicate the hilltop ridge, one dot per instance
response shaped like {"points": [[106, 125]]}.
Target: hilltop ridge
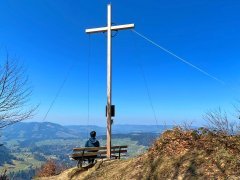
{"points": [[176, 154]]}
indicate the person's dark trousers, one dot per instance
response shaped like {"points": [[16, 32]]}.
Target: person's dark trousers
{"points": [[91, 160]]}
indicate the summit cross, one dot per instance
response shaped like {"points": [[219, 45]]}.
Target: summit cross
{"points": [[109, 28]]}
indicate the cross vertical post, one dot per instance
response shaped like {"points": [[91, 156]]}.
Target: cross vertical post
{"points": [[109, 80], [109, 30]]}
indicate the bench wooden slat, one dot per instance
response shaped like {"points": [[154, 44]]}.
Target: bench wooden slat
{"points": [[114, 147], [89, 154], [89, 148], [97, 148]]}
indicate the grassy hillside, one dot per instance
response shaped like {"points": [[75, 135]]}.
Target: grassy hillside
{"points": [[177, 154], [29, 145]]}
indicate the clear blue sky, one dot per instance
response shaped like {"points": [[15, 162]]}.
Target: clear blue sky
{"points": [[48, 36]]}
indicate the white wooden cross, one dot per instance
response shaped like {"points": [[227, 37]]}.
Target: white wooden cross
{"points": [[109, 28]]}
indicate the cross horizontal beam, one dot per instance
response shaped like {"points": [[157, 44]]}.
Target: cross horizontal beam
{"points": [[104, 29]]}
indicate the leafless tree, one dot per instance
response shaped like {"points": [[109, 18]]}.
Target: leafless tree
{"points": [[218, 121], [14, 94], [187, 125], [236, 107], [237, 115]]}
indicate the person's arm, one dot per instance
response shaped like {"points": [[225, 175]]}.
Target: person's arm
{"points": [[86, 144]]}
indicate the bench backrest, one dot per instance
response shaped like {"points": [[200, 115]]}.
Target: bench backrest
{"points": [[98, 148], [86, 151]]}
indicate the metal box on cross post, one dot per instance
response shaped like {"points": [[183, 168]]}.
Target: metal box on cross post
{"points": [[112, 110]]}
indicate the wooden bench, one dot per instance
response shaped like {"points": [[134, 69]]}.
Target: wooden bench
{"points": [[85, 153]]}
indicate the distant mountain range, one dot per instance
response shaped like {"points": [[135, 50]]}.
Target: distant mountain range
{"points": [[48, 130]]}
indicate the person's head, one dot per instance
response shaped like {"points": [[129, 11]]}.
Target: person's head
{"points": [[93, 134]]}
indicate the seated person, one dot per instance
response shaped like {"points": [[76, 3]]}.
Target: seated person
{"points": [[92, 142]]}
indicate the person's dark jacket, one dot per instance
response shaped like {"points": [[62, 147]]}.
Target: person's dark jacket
{"points": [[92, 142]]}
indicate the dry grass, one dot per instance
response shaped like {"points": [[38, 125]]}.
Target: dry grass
{"points": [[194, 154]]}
